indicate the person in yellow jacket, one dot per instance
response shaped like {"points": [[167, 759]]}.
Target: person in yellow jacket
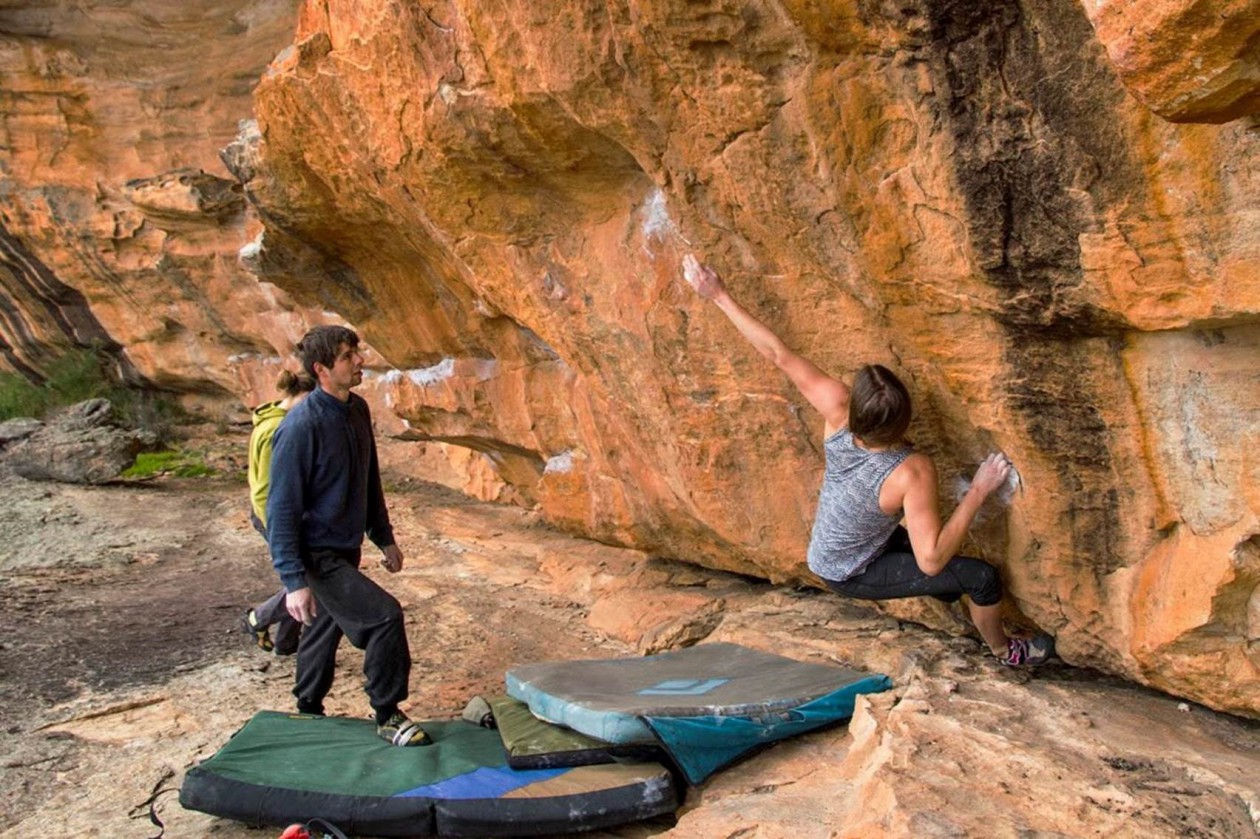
{"points": [[259, 619]]}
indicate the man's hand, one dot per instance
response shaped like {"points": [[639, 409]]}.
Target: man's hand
{"points": [[702, 278], [991, 474], [301, 605], [392, 561]]}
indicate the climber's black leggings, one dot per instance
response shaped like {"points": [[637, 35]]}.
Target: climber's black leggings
{"points": [[894, 574]]}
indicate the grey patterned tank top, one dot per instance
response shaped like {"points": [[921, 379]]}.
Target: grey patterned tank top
{"points": [[849, 528]]}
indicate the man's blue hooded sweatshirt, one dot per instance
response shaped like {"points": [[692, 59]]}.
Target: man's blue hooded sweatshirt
{"points": [[325, 484]]}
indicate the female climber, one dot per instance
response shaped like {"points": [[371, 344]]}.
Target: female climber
{"points": [[872, 479]]}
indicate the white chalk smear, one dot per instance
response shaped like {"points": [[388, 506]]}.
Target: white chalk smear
{"points": [[560, 463], [439, 372], [241, 358], [1004, 495], [251, 250], [483, 369], [657, 224], [656, 220]]}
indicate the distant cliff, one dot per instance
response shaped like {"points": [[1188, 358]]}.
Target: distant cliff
{"points": [[1005, 201]]}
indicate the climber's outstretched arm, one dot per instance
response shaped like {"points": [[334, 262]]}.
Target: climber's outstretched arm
{"points": [[828, 395]]}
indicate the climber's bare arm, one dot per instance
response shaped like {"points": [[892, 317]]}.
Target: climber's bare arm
{"points": [[912, 486], [829, 396]]}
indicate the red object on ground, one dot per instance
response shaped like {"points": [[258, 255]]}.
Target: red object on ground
{"points": [[296, 831]]}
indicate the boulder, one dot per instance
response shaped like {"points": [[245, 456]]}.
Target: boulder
{"points": [[18, 428], [80, 445], [966, 191], [1186, 60]]}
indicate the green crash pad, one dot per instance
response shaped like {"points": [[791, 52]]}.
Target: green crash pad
{"points": [[284, 768]]}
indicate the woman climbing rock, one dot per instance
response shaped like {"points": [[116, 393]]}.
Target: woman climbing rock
{"points": [[872, 480]]}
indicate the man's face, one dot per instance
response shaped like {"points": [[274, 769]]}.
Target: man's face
{"points": [[346, 371]]}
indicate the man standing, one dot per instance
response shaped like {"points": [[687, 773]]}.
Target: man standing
{"points": [[325, 494]]}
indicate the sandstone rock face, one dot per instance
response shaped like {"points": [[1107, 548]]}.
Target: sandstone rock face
{"points": [[119, 227], [963, 190], [498, 194], [1187, 60]]}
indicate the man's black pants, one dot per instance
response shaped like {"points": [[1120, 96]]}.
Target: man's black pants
{"points": [[350, 604]]}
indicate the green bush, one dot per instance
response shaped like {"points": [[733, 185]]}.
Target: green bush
{"points": [[168, 462], [20, 398], [81, 374]]}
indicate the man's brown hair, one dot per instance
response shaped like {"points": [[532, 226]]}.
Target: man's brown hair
{"points": [[319, 346]]}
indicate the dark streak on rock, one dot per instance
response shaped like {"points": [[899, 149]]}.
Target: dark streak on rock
{"points": [[1037, 150], [34, 295]]}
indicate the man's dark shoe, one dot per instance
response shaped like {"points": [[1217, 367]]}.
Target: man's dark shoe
{"points": [[250, 625], [400, 731]]}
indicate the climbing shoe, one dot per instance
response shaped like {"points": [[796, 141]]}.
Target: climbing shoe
{"points": [[250, 625], [1028, 652], [400, 731]]}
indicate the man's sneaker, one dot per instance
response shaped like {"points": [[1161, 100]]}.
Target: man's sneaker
{"points": [[250, 625], [400, 731], [1028, 652]]}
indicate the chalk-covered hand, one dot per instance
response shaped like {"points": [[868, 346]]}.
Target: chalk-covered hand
{"points": [[702, 278], [992, 474]]}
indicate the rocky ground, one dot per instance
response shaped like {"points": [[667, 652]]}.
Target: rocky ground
{"points": [[122, 666]]}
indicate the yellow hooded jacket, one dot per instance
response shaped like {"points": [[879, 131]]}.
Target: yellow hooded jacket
{"points": [[267, 419]]}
